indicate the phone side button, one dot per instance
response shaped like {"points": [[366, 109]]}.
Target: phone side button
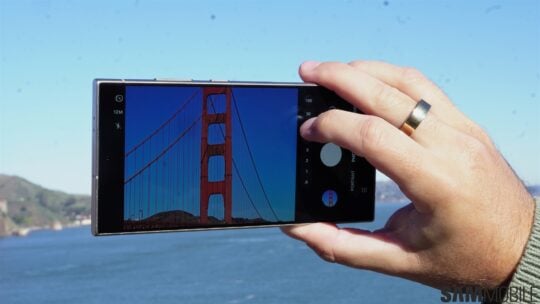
{"points": [[173, 79]]}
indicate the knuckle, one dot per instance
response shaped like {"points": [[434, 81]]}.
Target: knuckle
{"points": [[327, 256], [380, 91], [371, 133], [326, 118], [386, 97], [411, 168], [385, 93], [474, 148], [477, 132], [324, 253], [340, 247], [327, 71], [477, 153], [324, 122], [412, 75], [357, 63]]}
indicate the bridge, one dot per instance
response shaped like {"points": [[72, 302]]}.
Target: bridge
{"points": [[183, 171]]}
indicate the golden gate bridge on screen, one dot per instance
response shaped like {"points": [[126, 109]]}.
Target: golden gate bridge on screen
{"points": [[183, 172]]}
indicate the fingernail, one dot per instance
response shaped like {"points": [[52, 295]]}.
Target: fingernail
{"points": [[310, 65], [306, 130]]}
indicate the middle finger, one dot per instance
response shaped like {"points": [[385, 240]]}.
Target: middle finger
{"points": [[372, 96], [367, 93]]}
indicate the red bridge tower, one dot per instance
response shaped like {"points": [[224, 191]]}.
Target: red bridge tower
{"points": [[222, 187]]}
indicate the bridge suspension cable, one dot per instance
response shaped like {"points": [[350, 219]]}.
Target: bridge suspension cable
{"points": [[168, 121], [251, 156]]}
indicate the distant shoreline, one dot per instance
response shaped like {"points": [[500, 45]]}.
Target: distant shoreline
{"points": [[25, 231]]}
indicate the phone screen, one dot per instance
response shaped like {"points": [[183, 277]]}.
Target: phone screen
{"points": [[189, 156]]}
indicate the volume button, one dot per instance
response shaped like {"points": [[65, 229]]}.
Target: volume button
{"points": [[173, 79]]}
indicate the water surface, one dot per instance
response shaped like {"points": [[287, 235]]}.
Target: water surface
{"points": [[234, 266]]}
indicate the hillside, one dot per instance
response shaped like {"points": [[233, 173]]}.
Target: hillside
{"points": [[30, 205], [177, 219], [389, 192]]}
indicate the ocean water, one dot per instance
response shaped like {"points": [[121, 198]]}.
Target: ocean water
{"points": [[235, 266]]}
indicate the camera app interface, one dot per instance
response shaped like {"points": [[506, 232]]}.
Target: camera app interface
{"points": [[201, 156]]}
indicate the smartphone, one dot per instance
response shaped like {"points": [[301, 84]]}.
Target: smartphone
{"points": [[190, 155]]}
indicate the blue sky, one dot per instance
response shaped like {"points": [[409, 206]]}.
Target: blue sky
{"points": [[485, 55], [178, 169]]}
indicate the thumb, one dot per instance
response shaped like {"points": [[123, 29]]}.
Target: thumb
{"points": [[377, 251]]}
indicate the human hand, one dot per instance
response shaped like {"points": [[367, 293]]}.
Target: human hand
{"points": [[470, 216]]}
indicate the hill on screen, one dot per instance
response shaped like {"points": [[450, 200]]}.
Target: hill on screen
{"points": [[179, 218]]}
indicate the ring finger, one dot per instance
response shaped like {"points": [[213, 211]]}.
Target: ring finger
{"points": [[414, 84]]}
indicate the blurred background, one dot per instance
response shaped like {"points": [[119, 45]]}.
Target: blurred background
{"points": [[484, 54]]}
